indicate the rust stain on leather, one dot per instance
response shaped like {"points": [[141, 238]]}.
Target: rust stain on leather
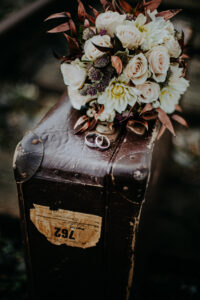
{"points": [[67, 227]]}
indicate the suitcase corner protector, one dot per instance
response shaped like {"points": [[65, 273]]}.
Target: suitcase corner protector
{"points": [[28, 157]]}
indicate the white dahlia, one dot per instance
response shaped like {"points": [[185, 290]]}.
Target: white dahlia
{"points": [[176, 79], [118, 95], [153, 32], [171, 94], [169, 97]]}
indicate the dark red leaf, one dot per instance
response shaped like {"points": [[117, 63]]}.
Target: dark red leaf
{"points": [[165, 120], [82, 124], [181, 41], [81, 121], [60, 28], [139, 9], [137, 127], [101, 109], [117, 64], [86, 23], [81, 11], [103, 49], [116, 7], [147, 107], [72, 44], [149, 115], [90, 18], [168, 14], [93, 123], [180, 120], [95, 12], [106, 4], [178, 108], [126, 6], [84, 127], [62, 58], [184, 56], [152, 5], [71, 24], [72, 27], [55, 16], [161, 132]]}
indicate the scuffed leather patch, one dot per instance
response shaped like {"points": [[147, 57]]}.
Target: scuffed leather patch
{"points": [[28, 157]]}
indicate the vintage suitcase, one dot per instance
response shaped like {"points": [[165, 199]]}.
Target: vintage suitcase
{"points": [[80, 207]]}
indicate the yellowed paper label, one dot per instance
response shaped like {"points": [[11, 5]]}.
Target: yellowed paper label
{"points": [[67, 227]]}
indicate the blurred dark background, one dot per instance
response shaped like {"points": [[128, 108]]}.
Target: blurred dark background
{"points": [[167, 257]]}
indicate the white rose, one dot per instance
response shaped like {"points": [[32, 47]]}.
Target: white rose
{"points": [[169, 97], [129, 35], [159, 62], [91, 52], [137, 69], [173, 47], [73, 75], [149, 92], [77, 100], [109, 21]]}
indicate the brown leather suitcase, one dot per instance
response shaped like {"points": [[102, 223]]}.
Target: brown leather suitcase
{"points": [[80, 207]]}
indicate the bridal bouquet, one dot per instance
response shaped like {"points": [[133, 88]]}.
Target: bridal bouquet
{"points": [[125, 65]]}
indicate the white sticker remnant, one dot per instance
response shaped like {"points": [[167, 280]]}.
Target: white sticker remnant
{"points": [[67, 227]]}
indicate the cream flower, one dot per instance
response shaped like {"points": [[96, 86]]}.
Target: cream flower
{"points": [[77, 100], [159, 62], [91, 52], [107, 116], [137, 69], [109, 21], [176, 80], [169, 97], [118, 95], [129, 35], [173, 47], [154, 32], [73, 75], [149, 92]]}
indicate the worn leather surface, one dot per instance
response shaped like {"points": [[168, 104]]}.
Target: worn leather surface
{"points": [[66, 157]]}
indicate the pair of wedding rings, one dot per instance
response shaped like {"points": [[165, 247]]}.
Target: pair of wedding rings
{"points": [[95, 140]]}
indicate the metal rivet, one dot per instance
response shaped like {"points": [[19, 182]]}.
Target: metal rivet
{"points": [[24, 175], [125, 188], [35, 142]]}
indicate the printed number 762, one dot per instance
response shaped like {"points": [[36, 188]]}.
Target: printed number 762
{"points": [[64, 233]]}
